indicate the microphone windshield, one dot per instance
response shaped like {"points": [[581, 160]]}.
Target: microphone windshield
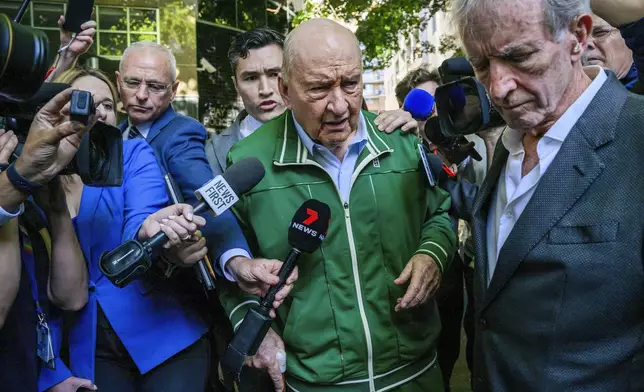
{"points": [[419, 103], [242, 176], [309, 226]]}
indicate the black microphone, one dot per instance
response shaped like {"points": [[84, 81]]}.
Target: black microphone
{"points": [[305, 234], [133, 258]]}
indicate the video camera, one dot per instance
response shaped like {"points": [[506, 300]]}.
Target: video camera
{"points": [[24, 61], [463, 105]]}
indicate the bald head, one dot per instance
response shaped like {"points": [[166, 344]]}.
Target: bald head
{"points": [[317, 38], [321, 81]]}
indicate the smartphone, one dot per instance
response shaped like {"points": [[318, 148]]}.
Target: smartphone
{"points": [[78, 12]]}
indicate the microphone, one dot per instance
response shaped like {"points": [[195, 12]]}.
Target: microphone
{"points": [[419, 103], [305, 234], [133, 258]]}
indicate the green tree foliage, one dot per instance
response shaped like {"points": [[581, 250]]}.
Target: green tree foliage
{"points": [[381, 23]]}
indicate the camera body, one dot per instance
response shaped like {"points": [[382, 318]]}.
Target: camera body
{"points": [[462, 103]]}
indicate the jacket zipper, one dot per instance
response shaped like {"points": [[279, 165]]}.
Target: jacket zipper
{"points": [[354, 256]]}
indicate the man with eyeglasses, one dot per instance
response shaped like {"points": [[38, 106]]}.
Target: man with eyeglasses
{"points": [[620, 48], [147, 84]]}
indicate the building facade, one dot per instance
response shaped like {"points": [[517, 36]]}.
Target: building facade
{"points": [[410, 56]]}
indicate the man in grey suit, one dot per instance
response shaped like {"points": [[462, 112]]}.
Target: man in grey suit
{"points": [[256, 60], [559, 221]]}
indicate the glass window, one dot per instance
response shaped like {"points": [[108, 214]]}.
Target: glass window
{"points": [[112, 19], [112, 44], [143, 20], [142, 37], [46, 15]]}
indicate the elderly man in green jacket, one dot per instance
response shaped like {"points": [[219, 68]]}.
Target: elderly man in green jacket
{"points": [[361, 317]]}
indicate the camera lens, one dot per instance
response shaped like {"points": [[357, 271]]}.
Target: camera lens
{"points": [[24, 59]]}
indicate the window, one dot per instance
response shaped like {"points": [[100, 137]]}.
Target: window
{"points": [[118, 27]]}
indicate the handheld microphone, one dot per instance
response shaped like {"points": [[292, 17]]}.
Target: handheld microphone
{"points": [[305, 234], [419, 103], [133, 258]]}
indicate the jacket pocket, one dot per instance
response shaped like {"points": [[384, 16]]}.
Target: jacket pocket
{"points": [[603, 232]]}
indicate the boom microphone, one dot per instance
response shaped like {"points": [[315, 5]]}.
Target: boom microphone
{"points": [[419, 103], [305, 234], [133, 258]]}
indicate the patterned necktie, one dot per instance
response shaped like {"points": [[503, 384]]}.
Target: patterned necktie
{"points": [[134, 133]]}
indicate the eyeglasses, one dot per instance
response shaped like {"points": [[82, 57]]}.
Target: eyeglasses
{"points": [[153, 87], [603, 33]]}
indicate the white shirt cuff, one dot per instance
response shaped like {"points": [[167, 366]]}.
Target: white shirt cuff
{"points": [[223, 260], [6, 216]]}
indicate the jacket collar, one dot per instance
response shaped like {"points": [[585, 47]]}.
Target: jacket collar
{"points": [[157, 125], [160, 123], [289, 148], [234, 128]]}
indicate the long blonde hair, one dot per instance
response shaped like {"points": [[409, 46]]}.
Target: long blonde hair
{"points": [[72, 74]]}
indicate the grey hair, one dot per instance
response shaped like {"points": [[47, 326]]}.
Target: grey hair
{"points": [[559, 14], [150, 45], [288, 57]]}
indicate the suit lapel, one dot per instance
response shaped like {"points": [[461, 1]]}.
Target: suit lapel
{"points": [[573, 171], [225, 142], [160, 123]]}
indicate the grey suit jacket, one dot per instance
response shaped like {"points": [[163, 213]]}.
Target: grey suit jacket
{"points": [[564, 310], [217, 146]]}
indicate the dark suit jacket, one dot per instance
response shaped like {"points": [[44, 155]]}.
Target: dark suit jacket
{"points": [[178, 142], [564, 310]]}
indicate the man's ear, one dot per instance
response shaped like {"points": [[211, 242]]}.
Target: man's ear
{"points": [[283, 87], [118, 82], [583, 26], [234, 78], [175, 86]]}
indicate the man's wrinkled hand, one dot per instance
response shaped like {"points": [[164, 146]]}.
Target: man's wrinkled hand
{"points": [[8, 144], [73, 384], [425, 278], [52, 141], [256, 276], [266, 358], [389, 121], [177, 221]]}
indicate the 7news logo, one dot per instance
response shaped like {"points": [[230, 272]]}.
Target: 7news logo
{"points": [[312, 217]]}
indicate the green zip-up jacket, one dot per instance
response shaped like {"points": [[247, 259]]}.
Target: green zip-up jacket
{"points": [[339, 323]]}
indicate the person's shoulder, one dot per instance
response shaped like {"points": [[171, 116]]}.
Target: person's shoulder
{"points": [[262, 141], [185, 126], [396, 138]]}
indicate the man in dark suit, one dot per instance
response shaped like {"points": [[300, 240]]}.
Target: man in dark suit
{"points": [[558, 222], [147, 84]]}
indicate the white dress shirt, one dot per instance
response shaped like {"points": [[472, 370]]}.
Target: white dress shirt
{"points": [[249, 125], [513, 192], [340, 171]]}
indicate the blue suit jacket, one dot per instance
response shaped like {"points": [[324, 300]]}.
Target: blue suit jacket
{"points": [[178, 142], [153, 325]]}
